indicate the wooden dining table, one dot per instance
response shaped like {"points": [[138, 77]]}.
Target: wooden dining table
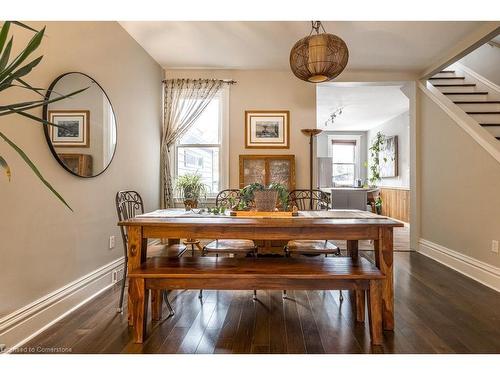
{"points": [[349, 225]]}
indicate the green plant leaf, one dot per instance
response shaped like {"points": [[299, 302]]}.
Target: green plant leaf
{"points": [[8, 109], [25, 85], [32, 45], [6, 54], [17, 23], [21, 72], [34, 168], [4, 165], [30, 116], [3, 34]]}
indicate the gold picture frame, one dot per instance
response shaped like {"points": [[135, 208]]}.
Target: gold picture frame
{"points": [[76, 131], [267, 129]]}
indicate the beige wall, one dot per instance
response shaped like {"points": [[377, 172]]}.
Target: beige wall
{"points": [[261, 90], [459, 187], [43, 245]]}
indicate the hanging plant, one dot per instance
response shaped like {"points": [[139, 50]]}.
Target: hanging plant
{"points": [[376, 147]]}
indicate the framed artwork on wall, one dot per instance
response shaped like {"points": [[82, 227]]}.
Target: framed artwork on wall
{"points": [[267, 129], [388, 157], [74, 130]]}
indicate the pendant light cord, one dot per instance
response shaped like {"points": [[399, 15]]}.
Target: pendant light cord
{"points": [[315, 26]]}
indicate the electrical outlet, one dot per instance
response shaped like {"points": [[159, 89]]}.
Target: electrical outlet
{"points": [[111, 242], [494, 246]]}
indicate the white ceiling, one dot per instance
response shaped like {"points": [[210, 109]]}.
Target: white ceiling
{"points": [[364, 106], [373, 45]]}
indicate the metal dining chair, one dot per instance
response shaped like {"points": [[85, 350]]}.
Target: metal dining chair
{"points": [[307, 200], [228, 198], [129, 204]]}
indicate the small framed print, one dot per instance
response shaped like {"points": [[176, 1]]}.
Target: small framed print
{"points": [[267, 129], [76, 130]]}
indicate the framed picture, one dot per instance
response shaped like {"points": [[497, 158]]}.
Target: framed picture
{"points": [[388, 157], [76, 130], [267, 129]]}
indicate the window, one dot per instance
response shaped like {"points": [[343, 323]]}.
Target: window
{"points": [[344, 162], [200, 149]]}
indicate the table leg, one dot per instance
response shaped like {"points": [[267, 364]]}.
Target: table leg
{"points": [[357, 296], [384, 254], [137, 248]]}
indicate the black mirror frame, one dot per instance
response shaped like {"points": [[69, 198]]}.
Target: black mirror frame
{"points": [[45, 109]]}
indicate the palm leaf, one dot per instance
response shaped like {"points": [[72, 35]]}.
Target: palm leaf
{"points": [[34, 168], [40, 91], [3, 34], [32, 117], [4, 165], [24, 25], [6, 54], [32, 45], [14, 108], [21, 72]]}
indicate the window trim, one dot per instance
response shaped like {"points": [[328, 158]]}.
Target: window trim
{"points": [[357, 151], [223, 146]]}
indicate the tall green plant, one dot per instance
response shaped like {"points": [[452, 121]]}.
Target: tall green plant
{"points": [[13, 72], [375, 148]]}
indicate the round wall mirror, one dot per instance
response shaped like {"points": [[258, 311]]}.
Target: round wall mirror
{"points": [[84, 140]]}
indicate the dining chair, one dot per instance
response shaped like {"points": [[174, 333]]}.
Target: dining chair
{"points": [[129, 203], [228, 198], [310, 200]]}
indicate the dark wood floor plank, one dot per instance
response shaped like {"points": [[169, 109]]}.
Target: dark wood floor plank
{"points": [[295, 342], [262, 328], [243, 338], [277, 343], [230, 326], [310, 331]]}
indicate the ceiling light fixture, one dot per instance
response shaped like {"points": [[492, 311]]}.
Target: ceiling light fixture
{"points": [[318, 57], [334, 115]]}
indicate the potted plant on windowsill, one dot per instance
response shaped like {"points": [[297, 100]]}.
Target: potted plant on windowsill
{"points": [[191, 189]]}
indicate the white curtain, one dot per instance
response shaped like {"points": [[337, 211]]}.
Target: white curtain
{"points": [[184, 101]]}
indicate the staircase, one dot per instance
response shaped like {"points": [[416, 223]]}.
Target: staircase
{"points": [[472, 97]]}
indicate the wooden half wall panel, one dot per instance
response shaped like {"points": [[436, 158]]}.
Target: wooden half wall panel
{"points": [[396, 203]]}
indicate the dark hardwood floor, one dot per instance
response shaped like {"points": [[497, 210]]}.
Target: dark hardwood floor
{"points": [[437, 311]]}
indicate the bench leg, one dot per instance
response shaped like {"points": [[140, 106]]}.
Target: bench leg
{"points": [[375, 312], [156, 304], [140, 304], [360, 305]]}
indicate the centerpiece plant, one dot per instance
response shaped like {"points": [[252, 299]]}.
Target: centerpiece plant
{"points": [[247, 195]]}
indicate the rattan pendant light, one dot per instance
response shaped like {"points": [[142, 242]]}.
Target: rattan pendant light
{"points": [[318, 57]]}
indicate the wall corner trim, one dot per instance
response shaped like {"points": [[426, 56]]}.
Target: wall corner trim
{"points": [[482, 272], [467, 123], [24, 324]]}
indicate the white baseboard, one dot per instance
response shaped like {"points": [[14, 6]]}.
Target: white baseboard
{"points": [[482, 272], [22, 325]]}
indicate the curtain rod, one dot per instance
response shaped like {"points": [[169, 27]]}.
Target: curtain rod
{"points": [[229, 81]]}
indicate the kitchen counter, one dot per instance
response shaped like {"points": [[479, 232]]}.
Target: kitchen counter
{"points": [[349, 198]]}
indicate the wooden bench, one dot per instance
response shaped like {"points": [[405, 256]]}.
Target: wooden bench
{"points": [[157, 274]]}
